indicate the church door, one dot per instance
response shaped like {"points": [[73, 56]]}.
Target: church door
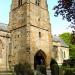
{"points": [[39, 59]]}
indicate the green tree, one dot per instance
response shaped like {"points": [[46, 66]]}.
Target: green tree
{"points": [[72, 51], [66, 37]]}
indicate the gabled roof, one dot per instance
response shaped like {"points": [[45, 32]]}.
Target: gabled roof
{"points": [[58, 39], [55, 38], [3, 27]]}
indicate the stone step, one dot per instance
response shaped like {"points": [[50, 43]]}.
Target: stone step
{"points": [[6, 73], [39, 73]]}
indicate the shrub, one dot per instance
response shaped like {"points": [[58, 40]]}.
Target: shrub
{"points": [[39, 73], [68, 72], [42, 69], [23, 69]]}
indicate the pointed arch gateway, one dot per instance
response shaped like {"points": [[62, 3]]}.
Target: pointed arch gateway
{"points": [[39, 59]]}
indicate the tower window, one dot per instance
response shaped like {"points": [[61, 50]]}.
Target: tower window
{"points": [[39, 34], [20, 2], [37, 2], [18, 36]]}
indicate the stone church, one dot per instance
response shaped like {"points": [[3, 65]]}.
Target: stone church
{"points": [[27, 37], [30, 32]]}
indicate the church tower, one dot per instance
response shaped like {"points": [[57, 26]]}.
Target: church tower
{"points": [[30, 32]]}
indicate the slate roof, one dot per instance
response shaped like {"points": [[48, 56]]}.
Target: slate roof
{"points": [[3, 27], [55, 38], [58, 39]]}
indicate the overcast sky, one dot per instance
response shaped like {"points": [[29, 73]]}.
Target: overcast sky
{"points": [[57, 24]]}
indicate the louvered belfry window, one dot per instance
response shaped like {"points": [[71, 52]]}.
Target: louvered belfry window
{"points": [[19, 2], [37, 2]]}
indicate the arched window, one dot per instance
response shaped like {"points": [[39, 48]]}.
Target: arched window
{"points": [[64, 54], [19, 2], [55, 52], [1, 47], [37, 2]]}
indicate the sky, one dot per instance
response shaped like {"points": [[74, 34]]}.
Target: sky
{"points": [[58, 26]]}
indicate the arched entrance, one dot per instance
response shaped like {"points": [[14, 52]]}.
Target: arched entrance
{"points": [[39, 59]]}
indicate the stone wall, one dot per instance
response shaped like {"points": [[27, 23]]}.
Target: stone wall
{"points": [[4, 50]]}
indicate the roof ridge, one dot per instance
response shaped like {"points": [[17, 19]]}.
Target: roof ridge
{"points": [[4, 23], [3, 27], [58, 39]]}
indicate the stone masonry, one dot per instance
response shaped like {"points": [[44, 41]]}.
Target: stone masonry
{"points": [[30, 31]]}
